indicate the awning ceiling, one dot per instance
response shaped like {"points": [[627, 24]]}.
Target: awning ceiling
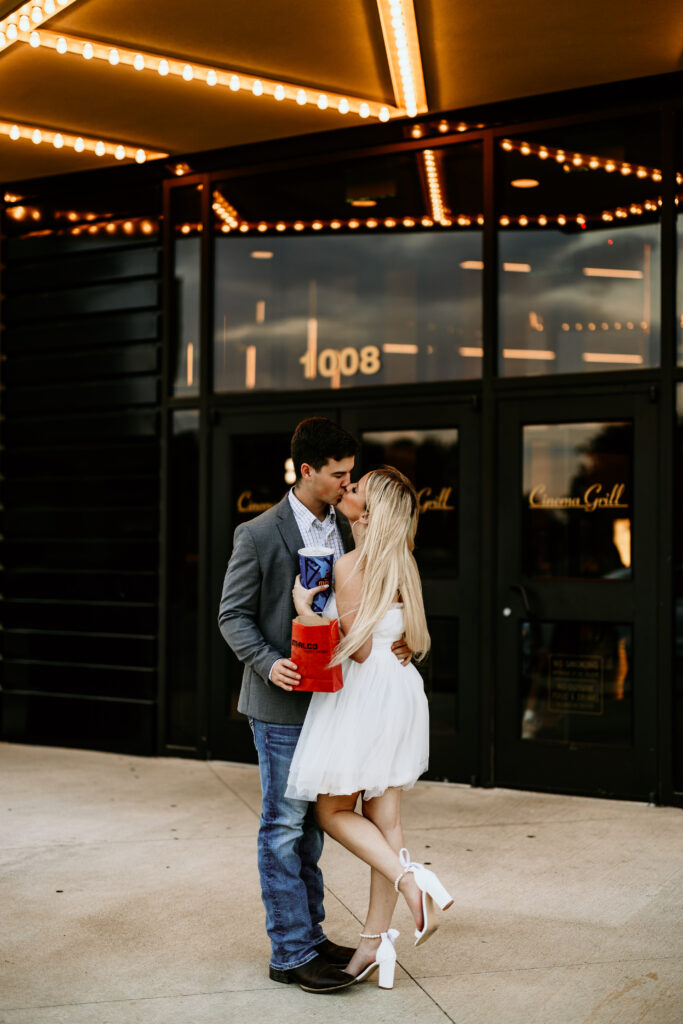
{"points": [[471, 54]]}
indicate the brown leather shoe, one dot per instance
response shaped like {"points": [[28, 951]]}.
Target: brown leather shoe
{"points": [[338, 956], [316, 976]]}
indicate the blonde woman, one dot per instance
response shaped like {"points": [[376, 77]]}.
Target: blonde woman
{"points": [[371, 738]]}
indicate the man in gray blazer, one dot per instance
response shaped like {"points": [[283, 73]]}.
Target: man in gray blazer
{"points": [[255, 618]]}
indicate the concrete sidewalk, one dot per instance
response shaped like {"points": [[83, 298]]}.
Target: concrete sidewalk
{"points": [[130, 896]]}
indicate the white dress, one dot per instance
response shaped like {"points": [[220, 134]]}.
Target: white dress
{"points": [[371, 734]]}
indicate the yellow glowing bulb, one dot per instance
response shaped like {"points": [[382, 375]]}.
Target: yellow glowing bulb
{"points": [[625, 169], [609, 167], [100, 149], [343, 106], [50, 7], [140, 156], [120, 153], [37, 137], [58, 141], [384, 114], [562, 219], [364, 110], [299, 226], [113, 57], [34, 40], [211, 77], [353, 224], [656, 175], [79, 145], [188, 73], [24, 23], [316, 225], [163, 67], [279, 93], [36, 15], [390, 222], [577, 160], [335, 225], [523, 221], [12, 32], [262, 227], [301, 97], [139, 62], [257, 88], [593, 163], [14, 133], [543, 220], [280, 226], [507, 145], [525, 148], [504, 221], [234, 83]]}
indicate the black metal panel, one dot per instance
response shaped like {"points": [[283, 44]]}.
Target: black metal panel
{"points": [[81, 493]]}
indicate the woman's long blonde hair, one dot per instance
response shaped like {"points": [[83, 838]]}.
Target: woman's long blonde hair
{"points": [[388, 564]]}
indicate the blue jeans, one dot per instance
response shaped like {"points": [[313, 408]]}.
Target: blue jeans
{"points": [[289, 847]]}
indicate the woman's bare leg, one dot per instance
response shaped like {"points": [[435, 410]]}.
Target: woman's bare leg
{"points": [[375, 837]]}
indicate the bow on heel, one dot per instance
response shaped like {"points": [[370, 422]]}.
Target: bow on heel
{"points": [[434, 896], [385, 958]]}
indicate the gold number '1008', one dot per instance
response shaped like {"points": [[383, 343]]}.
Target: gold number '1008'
{"points": [[344, 361]]}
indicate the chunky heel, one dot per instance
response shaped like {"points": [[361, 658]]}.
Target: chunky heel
{"points": [[435, 897], [429, 883], [386, 973], [385, 958]]}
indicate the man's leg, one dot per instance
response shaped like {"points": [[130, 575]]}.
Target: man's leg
{"points": [[286, 852], [310, 849]]}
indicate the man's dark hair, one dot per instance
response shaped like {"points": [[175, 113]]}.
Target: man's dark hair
{"points": [[317, 440]]}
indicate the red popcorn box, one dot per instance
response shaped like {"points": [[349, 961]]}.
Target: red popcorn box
{"points": [[314, 641]]}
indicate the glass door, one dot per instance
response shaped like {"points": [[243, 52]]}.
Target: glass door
{"points": [[437, 448], [577, 674]]}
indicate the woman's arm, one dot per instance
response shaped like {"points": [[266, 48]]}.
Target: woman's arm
{"points": [[303, 598], [349, 585]]}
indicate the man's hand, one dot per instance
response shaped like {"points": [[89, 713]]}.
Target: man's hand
{"points": [[402, 651], [284, 674]]}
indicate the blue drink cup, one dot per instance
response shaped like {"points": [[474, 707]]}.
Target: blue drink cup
{"points": [[316, 565]]}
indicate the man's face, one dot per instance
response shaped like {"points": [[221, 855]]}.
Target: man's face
{"points": [[329, 483]]}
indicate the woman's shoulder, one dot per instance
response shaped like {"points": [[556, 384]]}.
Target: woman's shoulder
{"points": [[346, 563]]}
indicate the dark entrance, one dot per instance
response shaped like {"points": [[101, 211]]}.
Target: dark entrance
{"points": [[438, 449], [576, 687]]}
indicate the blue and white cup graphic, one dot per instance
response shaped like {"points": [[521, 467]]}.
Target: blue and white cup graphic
{"points": [[316, 566]]}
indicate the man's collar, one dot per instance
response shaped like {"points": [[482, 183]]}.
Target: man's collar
{"points": [[303, 510]]}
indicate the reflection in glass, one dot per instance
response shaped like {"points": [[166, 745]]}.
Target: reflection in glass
{"points": [[183, 583], [576, 682], [261, 474], [579, 249], [186, 290], [352, 275], [678, 602], [440, 675], [577, 501], [430, 459]]}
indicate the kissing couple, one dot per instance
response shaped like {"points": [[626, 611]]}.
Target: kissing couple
{"points": [[318, 753]]}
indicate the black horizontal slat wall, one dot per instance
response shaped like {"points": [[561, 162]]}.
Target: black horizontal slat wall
{"points": [[81, 460]]}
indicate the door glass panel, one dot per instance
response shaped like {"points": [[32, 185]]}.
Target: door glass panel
{"points": [[577, 501], [440, 674], [185, 318], [262, 471], [576, 682], [430, 459]]}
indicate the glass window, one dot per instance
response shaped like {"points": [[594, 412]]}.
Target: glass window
{"points": [[577, 501], [349, 275], [579, 248], [183, 583], [430, 459], [576, 682], [678, 605], [185, 306]]}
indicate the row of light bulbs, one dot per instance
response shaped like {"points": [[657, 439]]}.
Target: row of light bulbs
{"points": [[400, 35], [24, 18], [193, 71], [79, 143], [432, 167], [573, 159]]}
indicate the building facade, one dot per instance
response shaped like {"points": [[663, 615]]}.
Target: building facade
{"points": [[488, 299]]}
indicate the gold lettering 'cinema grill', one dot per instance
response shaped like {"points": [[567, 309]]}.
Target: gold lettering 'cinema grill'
{"points": [[428, 501], [593, 498]]}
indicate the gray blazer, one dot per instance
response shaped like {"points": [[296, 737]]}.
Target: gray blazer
{"points": [[256, 609]]}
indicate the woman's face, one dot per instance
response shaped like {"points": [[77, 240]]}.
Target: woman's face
{"points": [[353, 502]]}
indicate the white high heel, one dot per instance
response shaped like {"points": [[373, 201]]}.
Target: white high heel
{"points": [[385, 959], [434, 896]]}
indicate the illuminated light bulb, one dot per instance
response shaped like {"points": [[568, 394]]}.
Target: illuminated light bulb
{"points": [[279, 93], [593, 163], [372, 223], [641, 173], [625, 169], [37, 137], [12, 32], [580, 219], [163, 67], [88, 51], [299, 226], [185, 229], [364, 110], [79, 145], [617, 325], [111, 228], [416, 131], [353, 224], [128, 227], [504, 221], [316, 225], [408, 222], [244, 228], [262, 227], [225, 228], [140, 156], [93, 230], [525, 148], [2, 40], [24, 23], [656, 175], [591, 326], [542, 220], [335, 225], [679, 179], [14, 133], [562, 219], [147, 227], [58, 141], [609, 167], [607, 216], [257, 88], [139, 62], [389, 222], [343, 106], [120, 153], [578, 327], [507, 145], [188, 73], [523, 221], [280, 226], [34, 40], [100, 148], [211, 77], [560, 157], [427, 222], [36, 15], [234, 83], [443, 126], [50, 7], [577, 160], [113, 57], [301, 97], [565, 327], [384, 114]]}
